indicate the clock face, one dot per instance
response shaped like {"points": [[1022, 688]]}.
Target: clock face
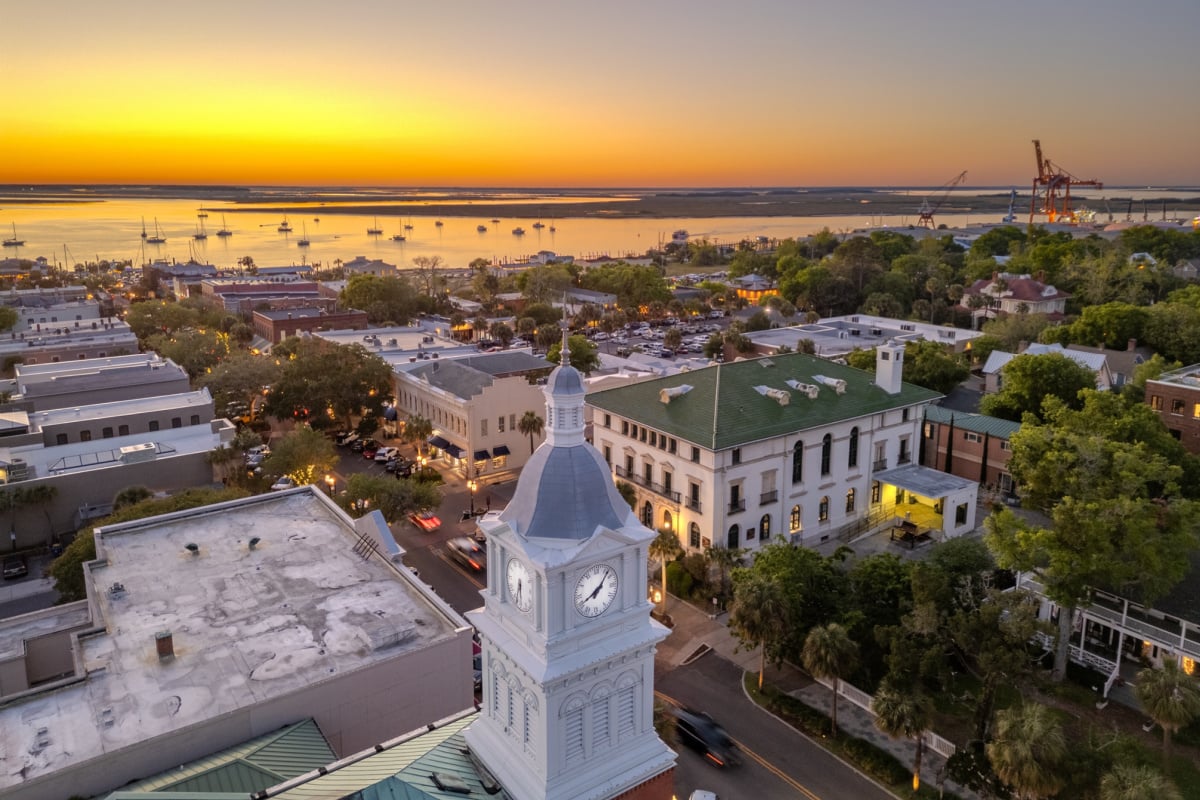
{"points": [[596, 590], [520, 585]]}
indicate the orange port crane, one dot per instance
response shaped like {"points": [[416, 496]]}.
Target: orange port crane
{"points": [[931, 204], [1052, 188]]}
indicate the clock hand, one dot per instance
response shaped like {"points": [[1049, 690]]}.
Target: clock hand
{"points": [[596, 591]]}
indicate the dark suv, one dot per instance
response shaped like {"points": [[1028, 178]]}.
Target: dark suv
{"points": [[468, 552], [698, 731]]}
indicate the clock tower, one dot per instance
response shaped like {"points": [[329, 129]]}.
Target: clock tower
{"points": [[567, 638]]}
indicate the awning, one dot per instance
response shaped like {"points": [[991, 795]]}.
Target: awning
{"points": [[454, 450], [438, 442], [481, 455], [924, 481], [502, 450]]}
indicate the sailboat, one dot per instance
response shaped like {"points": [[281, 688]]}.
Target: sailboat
{"points": [[224, 231], [438, 223], [203, 214], [14, 241], [303, 240], [284, 227], [399, 237], [157, 238], [201, 234], [408, 225], [376, 230]]}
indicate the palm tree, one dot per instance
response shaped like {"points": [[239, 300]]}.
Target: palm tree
{"points": [[531, 425], [904, 714], [1028, 750], [417, 430], [664, 548], [726, 558], [757, 616], [1170, 697], [829, 653], [1130, 782]]}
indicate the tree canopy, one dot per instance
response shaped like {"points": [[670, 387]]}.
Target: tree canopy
{"points": [[583, 353], [321, 382], [384, 299], [1029, 381]]}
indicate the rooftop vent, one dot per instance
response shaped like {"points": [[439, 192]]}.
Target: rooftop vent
{"points": [[254, 542], [164, 644], [837, 384], [665, 396], [810, 389], [778, 395], [192, 548], [765, 362]]}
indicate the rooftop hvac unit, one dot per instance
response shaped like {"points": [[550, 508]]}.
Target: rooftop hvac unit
{"points": [[778, 395], [837, 384], [667, 395], [138, 453], [810, 389]]}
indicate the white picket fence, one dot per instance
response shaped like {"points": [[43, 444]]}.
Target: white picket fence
{"points": [[943, 747]]}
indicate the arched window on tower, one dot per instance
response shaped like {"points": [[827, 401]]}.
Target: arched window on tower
{"points": [[826, 453], [852, 458], [798, 462]]}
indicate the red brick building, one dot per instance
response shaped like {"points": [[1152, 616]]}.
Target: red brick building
{"points": [[278, 324], [968, 445], [1175, 397]]}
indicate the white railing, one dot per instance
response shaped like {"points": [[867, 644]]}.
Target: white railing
{"points": [[943, 747]]}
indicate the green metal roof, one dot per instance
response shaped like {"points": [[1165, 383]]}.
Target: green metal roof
{"points": [[371, 776], [723, 408], [248, 767], [976, 423]]}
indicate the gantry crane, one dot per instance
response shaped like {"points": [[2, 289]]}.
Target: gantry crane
{"points": [[1052, 186], [931, 204]]}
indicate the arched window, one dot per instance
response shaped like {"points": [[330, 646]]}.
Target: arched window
{"points": [[798, 462], [850, 501], [764, 528], [852, 458], [826, 453], [732, 540], [667, 521], [647, 514], [823, 509], [794, 520], [694, 535]]}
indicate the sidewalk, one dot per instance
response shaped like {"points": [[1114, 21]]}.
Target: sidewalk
{"points": [[696, 633]]}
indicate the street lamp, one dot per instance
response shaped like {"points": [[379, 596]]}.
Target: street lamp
{"points": [[330, 482], [473, 486]]}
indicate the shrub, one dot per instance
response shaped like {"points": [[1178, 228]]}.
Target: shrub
{"points": [[876, 762], [679, 580]]}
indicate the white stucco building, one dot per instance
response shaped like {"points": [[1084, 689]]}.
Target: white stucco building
{"points": [[791, 445]]}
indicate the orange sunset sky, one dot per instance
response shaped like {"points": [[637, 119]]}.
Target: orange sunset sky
{"points": [[616, 93]]}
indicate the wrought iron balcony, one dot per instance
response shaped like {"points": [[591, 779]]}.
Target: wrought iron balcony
{"points": [[766, 498], [736, 506]]}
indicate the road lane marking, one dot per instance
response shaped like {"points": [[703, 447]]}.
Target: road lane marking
{"points": [[799, 787]]}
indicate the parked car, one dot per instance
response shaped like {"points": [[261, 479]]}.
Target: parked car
{"points": [[358, 444], [259, 450], [385, 454], [701, 733], [468, 552], [283, 483], [15, 566], [346, 439], [425, 520]]}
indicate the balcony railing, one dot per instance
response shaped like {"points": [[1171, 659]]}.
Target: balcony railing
{"points": [[642, 481], [904, 458], [766, 498], [693, 503], [880, 465], [736, 506]]}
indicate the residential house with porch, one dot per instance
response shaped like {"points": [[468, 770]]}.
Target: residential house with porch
{"points": [[736, 454], [1117, 636]]}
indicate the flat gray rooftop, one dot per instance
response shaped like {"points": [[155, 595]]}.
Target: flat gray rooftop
{"points": [[249, 625]]}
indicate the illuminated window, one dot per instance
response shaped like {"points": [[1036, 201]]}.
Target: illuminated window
{"points": [[794, 519], [823, 509]]}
